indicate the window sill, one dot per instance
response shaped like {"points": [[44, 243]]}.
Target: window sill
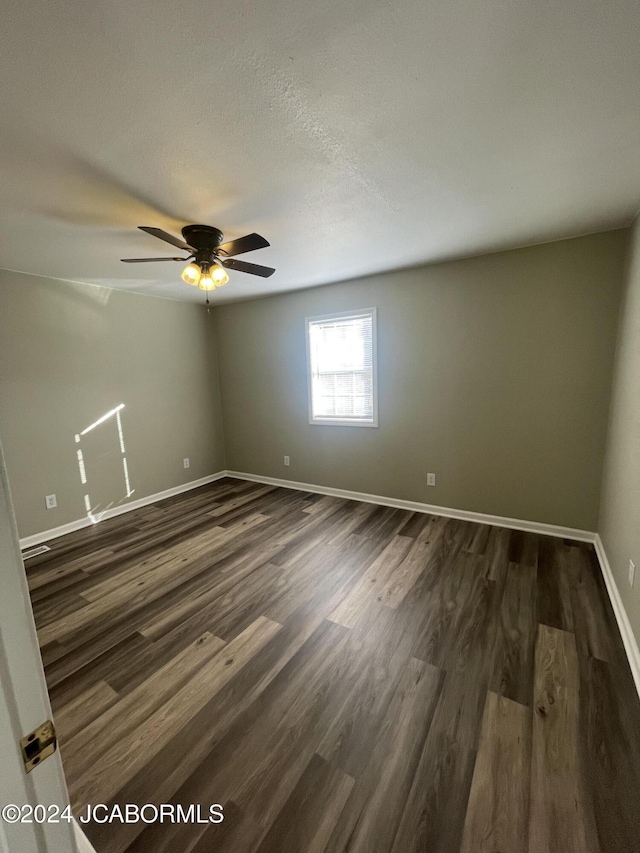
{"points": [[319, 422]]}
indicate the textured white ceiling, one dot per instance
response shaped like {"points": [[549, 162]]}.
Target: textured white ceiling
{"points": [[355, 136]]}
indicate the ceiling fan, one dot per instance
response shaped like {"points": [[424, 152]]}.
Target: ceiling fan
{"points": [[208, 255]]}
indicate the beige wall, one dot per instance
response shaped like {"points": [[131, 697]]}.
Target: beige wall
{"points": [[68, 354], [494, 372], [620, 510]]}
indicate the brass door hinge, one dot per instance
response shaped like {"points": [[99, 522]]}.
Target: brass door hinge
{"points": [[40, 744]]}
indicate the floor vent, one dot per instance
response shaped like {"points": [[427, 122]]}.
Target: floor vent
{"points": [[35, 552]]}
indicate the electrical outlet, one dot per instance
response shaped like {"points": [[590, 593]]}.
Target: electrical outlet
{"points": [[186, 462], [287, 461], [431, 479], [632, 572], [50, 502]]}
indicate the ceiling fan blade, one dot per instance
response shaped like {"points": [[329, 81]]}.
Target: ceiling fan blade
{"points": [[149, 260], [243, 266], [243, 244], [164, 235]]}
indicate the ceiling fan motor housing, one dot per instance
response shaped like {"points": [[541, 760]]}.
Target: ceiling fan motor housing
{"points": [[204, 238]]}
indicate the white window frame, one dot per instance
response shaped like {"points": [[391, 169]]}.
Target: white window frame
{"points": [[366, 312]]}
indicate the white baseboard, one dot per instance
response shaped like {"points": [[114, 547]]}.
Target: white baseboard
{"points": [[54, 532], [84, 845], [626, 632], [415, 506]]}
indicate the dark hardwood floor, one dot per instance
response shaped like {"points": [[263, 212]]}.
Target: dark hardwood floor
{"points": [[340, 677]]}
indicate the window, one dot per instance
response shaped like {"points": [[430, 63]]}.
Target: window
{"points": [[341, 360]]}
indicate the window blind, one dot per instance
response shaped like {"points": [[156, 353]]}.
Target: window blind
{"points": [[341, 354]]}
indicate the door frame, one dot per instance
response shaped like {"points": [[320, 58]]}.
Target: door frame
{"points": [[24, 705]]}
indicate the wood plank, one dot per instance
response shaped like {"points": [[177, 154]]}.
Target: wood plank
{"points": [[435, 808], [237, 832], [129, 596], [479, 540], [241, 500], [273, 744], [380, 654], [382, 790], [135, 709], [210, 589], [560, 821], [498, 810], [132, 752], [338, 568], [98, 660], [83, 709], [497, 553], [456, 615], [180, 760], [372, 582], [309, 816], [590, 615], [553, 604], [523, 548], [513, 652], [405, 574], [610, 756], [82, 564]]}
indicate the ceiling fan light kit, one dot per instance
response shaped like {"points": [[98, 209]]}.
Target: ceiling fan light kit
{"points": [[208, 255], [205, 276], [191, 274]]}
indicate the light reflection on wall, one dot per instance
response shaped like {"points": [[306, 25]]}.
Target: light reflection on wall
{"points": [[94, 516], [83, 473]]}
